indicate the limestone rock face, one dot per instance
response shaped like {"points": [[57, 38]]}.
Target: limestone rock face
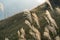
{"points": [[40, 23]]}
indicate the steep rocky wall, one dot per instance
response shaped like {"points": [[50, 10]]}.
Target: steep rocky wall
{"points": [[37, 24]]}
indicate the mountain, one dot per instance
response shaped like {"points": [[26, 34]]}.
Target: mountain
{"points": [[40, 23]]}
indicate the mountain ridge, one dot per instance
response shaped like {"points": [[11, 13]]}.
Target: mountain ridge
{"points": [[35, 21]]}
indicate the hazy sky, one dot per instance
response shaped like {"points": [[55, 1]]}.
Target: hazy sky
{"points": [[11, 7]]}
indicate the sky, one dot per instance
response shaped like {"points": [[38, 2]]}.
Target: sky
{"points": [[11, 7]]}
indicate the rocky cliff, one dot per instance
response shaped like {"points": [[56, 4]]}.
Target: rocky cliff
{"points": [[40, 23]]}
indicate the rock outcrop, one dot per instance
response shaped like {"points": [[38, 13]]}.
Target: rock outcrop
{"points": [[40, 23]]}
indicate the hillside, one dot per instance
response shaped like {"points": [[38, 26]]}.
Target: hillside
{"points": [[40, 23]]}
